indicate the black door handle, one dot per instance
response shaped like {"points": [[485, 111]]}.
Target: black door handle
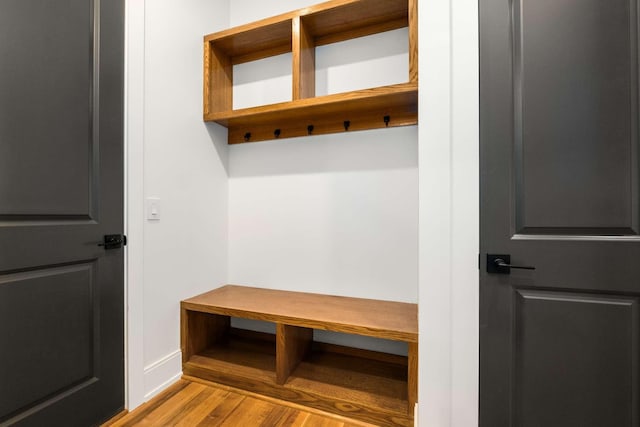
{"points": [[501, 264], [113, 241]]}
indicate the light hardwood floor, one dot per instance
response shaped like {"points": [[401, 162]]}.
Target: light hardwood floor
{"points": [[191, 402]]}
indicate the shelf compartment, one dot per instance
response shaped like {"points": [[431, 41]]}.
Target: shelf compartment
{"points": [[360, 384], [333, 22], [254, 41], [328, 22], [378, 383], [243, 354]]}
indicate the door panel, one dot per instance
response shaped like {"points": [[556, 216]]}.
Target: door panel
{"points": [[559, 191], [49, 315], [571, 336], [59, 70], [575, 86], [61, 191]]}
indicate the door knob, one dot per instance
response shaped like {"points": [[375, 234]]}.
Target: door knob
{"points": [[501, 264]]}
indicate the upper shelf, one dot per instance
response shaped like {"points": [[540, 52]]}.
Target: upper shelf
{"points": [[328, 22], [299, 32]]}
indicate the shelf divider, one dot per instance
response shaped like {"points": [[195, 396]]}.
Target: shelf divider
{"points": [[304, 61], [218, 80], [413, 41], [293, 343]]}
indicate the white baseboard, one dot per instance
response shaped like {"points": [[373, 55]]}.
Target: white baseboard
{"points": [[162, 373]]}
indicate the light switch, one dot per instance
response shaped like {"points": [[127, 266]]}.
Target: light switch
{"points": [[153, 208]]}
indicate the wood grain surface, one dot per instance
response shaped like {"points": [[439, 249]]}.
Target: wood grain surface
{"points": [[412, 375], [324, 20], [334, 404], [199, 331], [293, 345], [398, 97], [325, 124], [304, 61], [382, 319], [413, 41], [189, 403], [218, 80]]}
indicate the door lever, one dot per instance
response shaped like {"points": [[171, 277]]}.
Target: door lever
{"points": [[501, 264], [113, 241]]}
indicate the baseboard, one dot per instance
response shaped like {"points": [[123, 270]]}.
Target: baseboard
{"points": [[162, 373]]}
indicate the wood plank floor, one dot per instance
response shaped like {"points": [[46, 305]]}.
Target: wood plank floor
{"points": [[191, 402]]}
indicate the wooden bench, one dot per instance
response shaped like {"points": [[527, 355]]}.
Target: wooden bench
{"points": [[376, 387]]}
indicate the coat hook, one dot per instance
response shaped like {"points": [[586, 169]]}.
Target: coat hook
{"points": [[347, 123], [247, 136], [386, 119], [309, 129], [276, 133]]}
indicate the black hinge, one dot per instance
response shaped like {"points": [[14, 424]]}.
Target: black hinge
{"points": [[114, 241]]}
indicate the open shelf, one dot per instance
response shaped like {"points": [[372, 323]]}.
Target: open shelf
{"points": [[371, 386], [377, 384], [299, 32], [241, 353], [363, 109]]}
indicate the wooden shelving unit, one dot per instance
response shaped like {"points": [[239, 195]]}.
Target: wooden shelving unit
{"points": [[299, 32], [371, 386]]}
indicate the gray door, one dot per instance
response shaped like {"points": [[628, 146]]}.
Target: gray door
{"points": [[61, 190], [559, 345]]}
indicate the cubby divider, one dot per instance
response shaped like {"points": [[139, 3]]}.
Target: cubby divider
{"points": [[293, 345]]}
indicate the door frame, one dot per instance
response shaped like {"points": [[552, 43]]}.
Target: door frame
{"points": [[449, 229], [134, 202], [448, 165]]}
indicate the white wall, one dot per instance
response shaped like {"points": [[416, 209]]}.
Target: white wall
{"points": [[334, 214], [245, 11], [185, 165]]}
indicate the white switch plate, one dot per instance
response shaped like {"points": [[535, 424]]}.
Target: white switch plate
{"points": [[152, 208]]}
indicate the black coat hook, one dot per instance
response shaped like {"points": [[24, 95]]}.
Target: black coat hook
{"points": [[309, 129], [347, 123], [386, 119], [247, 136], [276, 133]]}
